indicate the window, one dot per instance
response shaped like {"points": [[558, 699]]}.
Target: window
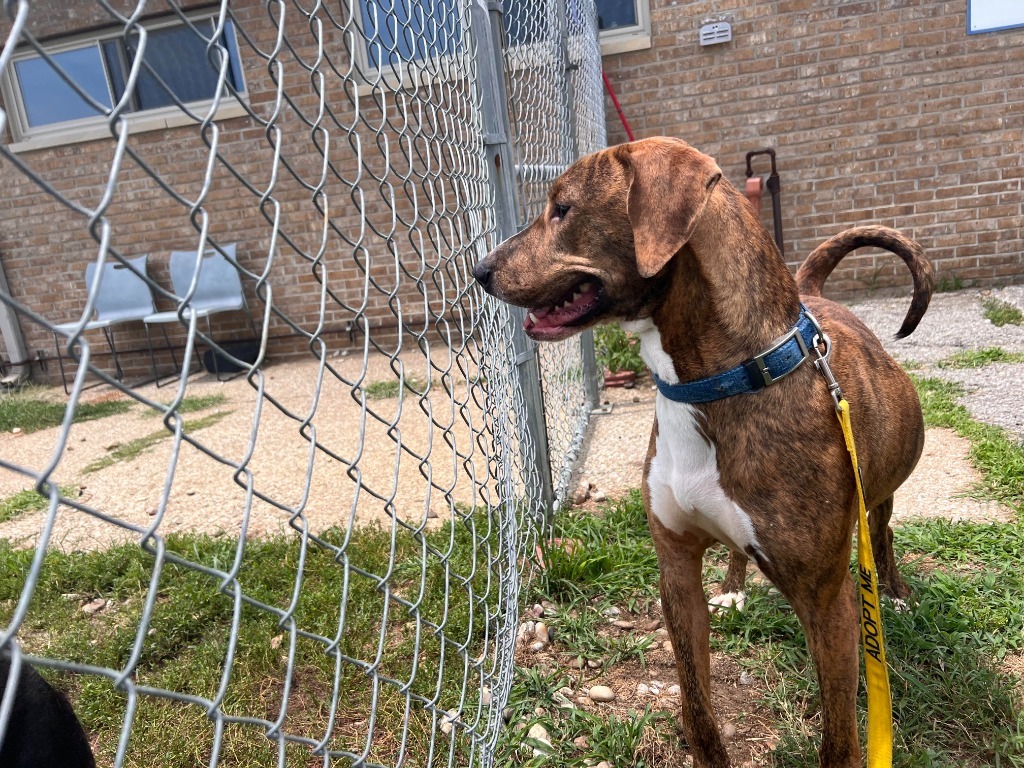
{"points": [[992, 15], [625, 25], [49, 111]]}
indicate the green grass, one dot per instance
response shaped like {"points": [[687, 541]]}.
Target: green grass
{"points": [[1001, 313], [31, 414], [195, 403], [1000, 459], [383, 390], [187, 639], [134, 448], [28, 500], [978, 358]]}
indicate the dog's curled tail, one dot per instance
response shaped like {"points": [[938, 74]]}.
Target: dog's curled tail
{"points": [[819, 265]]}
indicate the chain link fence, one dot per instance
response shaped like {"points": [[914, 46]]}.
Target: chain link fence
{"points": [[291, 524]]}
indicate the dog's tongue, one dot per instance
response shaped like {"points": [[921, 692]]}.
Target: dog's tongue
{"points": [[574, 305]]}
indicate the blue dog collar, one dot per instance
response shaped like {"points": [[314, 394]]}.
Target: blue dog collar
{"points": [[783, 357]]}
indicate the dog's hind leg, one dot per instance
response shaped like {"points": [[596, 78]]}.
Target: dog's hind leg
{"points": [[732, 594], [889, 579], [684, 606]]}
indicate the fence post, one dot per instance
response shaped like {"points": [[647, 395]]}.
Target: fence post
{"points": [[487, 30], [590, 373]]}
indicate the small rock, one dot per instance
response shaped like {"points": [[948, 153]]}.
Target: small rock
{"points": [[642, 689], [652, 625], [623, 624], [275, 641], [599, 496], [506, 714], [537, 646], [593, 663], [151, 512], [190, 493], [539, 711], [537, 611], [611, 611], [746, 678], [728, 731], [541, 633], [580, 742], [601, 693], [636, 399], [584, 701], [485, 696], [539, 733], [16, 431], [71, 596], [661, 632], [94, 606], [547, 605], [581, 495], [667, 645], [672, 690], [565, 690], [448, 723], [431, 514], [604, 763], [578, 663]]}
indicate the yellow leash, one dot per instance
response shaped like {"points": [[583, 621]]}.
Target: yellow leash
{"points": [[871, 640], [875, 670]]}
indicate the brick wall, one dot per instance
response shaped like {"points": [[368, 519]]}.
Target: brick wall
{"points": [[412, 226], [881, 111]]}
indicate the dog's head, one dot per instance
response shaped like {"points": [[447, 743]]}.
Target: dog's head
{"points": [[613, 222]]}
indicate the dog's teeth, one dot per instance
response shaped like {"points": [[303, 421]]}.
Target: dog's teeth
{"points": [[576, 296], [533, 318], [584, 287]]}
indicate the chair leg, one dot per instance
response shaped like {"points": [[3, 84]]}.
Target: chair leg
{"points": [[213, 350], [60, 362], [118, 371], [152, 355]]}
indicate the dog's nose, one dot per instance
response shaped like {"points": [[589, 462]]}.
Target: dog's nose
{"points": [[483, 273]]}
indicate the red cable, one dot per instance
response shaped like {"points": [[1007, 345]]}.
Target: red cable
{"points": [[618, 107]]}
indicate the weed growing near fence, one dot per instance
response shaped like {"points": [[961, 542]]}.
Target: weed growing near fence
{"points": [[194, 403], [978, 358], [31, 414], [1001, 313], [617, 350], [134, 448], [28, 500]]}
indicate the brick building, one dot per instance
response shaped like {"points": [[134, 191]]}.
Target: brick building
{"points": [[884, 111], [881, 111]]}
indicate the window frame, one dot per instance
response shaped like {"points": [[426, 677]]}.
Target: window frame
{"points": [[27, 138], [633, 38]]}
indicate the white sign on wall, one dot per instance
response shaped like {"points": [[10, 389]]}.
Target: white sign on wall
{"points": [[989, 15]]}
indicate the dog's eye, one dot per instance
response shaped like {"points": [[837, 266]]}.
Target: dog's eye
{"points": [[560, 211]]}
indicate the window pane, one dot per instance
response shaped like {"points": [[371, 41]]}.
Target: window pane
{"points": [[410, 30], [48, 99], [613, 14], [178, 55], [525, 20]]}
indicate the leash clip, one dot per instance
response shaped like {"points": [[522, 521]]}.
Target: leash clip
{"points": [[823, 342]]}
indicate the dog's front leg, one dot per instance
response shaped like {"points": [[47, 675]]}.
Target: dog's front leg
{"points": [[684, 606]]}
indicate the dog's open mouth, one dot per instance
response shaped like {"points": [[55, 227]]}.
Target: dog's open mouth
{"points": [[563, 317]]}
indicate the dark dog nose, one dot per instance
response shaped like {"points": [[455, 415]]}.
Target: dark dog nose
{"points": [[483, 272]]}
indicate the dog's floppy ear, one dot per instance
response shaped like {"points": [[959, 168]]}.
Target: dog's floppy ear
{"points": [[669, 186]]}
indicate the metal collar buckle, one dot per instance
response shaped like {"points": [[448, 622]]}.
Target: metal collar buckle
{"points": [[758, 367]]}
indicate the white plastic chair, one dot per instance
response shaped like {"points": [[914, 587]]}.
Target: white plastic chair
{"points": [[218, 289], [122, 297]]}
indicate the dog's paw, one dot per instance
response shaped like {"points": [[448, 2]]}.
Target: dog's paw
{"points": [[723, 602]]}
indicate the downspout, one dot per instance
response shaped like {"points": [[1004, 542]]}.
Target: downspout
{"points": [[13, 340]]}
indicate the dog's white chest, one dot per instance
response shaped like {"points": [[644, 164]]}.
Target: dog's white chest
{"points": [[686, 489]]}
